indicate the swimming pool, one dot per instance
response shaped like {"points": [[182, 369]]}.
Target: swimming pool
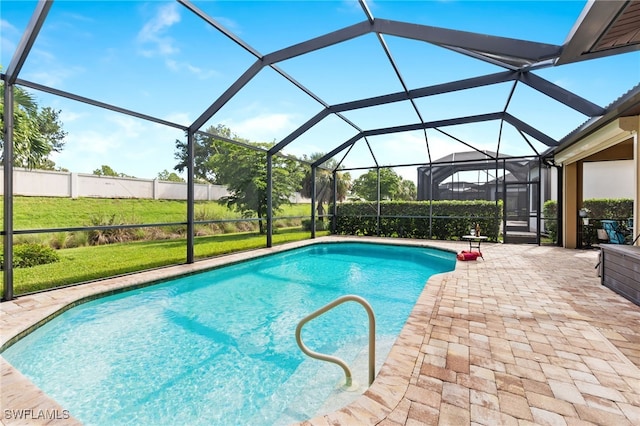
{"points": [[219, 347]]}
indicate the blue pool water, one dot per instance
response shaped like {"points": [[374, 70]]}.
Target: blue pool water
{"points": [[219, 347]]}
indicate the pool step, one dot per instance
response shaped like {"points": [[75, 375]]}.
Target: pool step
{"points": [[315, 387]]}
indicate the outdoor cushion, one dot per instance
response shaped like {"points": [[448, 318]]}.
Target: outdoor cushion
{"points": [[468, 255]]}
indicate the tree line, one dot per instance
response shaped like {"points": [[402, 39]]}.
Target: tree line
{"points": [[38, 133]]}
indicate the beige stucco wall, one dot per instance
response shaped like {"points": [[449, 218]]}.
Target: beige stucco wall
{"points": [[617, 141]]}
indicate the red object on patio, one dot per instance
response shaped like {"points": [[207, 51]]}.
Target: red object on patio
{"points": [[469, 255]]}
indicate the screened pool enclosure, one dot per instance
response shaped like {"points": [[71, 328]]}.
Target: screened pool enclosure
{"points": [[467, 107]]}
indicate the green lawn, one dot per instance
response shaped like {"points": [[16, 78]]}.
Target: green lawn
{"points": [[94, 262], [85, 263], [51, 212]]}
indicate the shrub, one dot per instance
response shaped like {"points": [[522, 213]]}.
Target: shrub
{"points": [[320, 225], [609, 208], [550, 216], [32, 254], [599, 208], [420, 219]]}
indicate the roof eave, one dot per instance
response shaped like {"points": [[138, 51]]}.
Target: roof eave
{"points": [[628, 104]]}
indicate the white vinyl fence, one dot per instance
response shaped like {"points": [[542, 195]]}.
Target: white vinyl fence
{"points": [[45, 183]]}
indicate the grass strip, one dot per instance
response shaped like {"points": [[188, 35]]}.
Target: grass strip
{"points": [[95, 262], [54, 212]]}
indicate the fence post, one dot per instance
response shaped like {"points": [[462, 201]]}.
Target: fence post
{"points": [[73, 185]]}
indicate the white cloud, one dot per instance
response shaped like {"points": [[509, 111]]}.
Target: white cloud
{"points": [[153, 32], [128, 127], [263, 127], [67, 116], [126, 144], [92, 142], [179, 118], [7, 28], [201, 74], [7, 43], [55, 75]]}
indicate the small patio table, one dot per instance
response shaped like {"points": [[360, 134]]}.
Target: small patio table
{"points": [[474, 242]]}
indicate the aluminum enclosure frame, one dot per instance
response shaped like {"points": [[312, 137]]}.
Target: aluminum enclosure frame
{"points": [[519, 59]]}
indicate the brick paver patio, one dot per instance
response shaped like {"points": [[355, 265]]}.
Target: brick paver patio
{"points": [[527, 336]]}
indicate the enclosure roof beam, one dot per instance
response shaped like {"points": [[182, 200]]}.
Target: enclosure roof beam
{"points": [[28, 39], [498, 62], [337, 149], [433, 124], [396, 69], [397, 97], [562, 95], [220, 27], [270, 60], [410, 127], [437, 89], [431, 34], [98, 104], [318, 43], [299, 131], [465, 143], [313, 96], [366, 10], [491, 46], [531, 131], [253, 51], [518, 124], [228, 94]]}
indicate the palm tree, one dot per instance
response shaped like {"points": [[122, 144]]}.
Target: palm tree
{"points": [[30, 145], [324, 182]]}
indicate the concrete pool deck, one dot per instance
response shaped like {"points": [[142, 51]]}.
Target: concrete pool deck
{"points": [[526, 336]]}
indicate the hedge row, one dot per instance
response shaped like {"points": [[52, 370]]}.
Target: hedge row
{"points": [[410, 219], [608, 208], [619, 209]]}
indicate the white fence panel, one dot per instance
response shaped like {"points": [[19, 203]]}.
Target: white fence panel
{"points": [[113, 187], [45, 183]]}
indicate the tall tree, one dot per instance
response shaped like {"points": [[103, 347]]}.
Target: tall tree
{"points": [[366, 186], [37, 132], [242, 170], [105, 170], [407, 190], [324, 182], [169, 177], [204, 149]]}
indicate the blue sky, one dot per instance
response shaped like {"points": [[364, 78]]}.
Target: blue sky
{"points": [[160, 59]]}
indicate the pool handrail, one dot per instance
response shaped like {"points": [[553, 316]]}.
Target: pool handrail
{"points": [[324, 357]]}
